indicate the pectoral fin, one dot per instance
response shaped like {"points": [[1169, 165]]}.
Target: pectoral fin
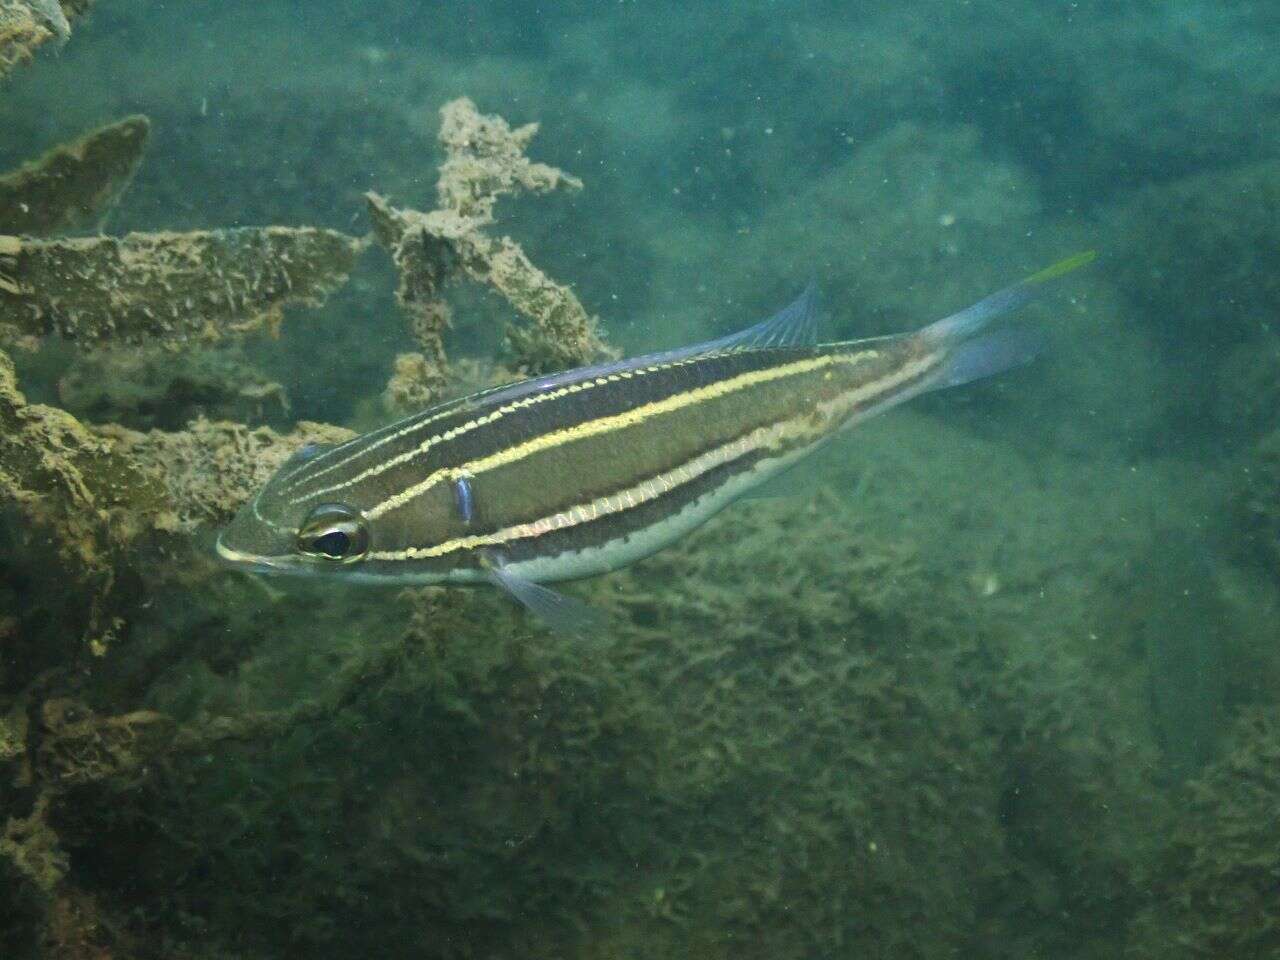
{"points": [[561, 613]]}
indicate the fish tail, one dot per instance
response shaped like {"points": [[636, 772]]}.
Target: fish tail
{"points": [[972, 357]]}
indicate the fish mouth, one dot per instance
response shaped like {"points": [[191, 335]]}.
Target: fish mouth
{"points": [[247, 561]]}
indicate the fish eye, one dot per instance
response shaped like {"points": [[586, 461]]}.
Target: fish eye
{"points": [[334, 532]]}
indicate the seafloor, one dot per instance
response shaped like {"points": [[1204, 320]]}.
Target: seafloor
{"points": [[998, 678]]}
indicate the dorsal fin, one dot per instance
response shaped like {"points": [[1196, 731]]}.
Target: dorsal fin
{"points": [[795, 325]]}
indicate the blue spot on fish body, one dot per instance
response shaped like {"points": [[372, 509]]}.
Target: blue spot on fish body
{"points": [[466, 503]]}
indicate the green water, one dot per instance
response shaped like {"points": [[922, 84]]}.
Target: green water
{"points": [[999, 678]]}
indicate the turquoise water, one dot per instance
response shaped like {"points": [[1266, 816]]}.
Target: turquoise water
{"points": [[998, 677]]}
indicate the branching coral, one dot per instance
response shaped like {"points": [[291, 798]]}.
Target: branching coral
{"points": [[97, 490]]}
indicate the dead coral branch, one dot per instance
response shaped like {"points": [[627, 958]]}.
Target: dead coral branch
{"points": [[74, 184], [26, 25], [486, 160], [63, 478], [169, 286], [92, 492], [210, 469]]}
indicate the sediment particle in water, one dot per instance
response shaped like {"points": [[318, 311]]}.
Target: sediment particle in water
{"points": [[74, 184], [174, 287]]}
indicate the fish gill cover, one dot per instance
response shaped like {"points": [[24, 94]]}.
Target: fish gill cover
{"points": [[941, 700]]}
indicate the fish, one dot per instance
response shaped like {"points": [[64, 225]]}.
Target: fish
{"points": [[582, 472]]}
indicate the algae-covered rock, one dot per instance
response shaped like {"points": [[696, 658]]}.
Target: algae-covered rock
{"points": [[74, 184], [12, 738], [32, 866], [1215, 894], [21, 912], [1079, 807], [1224, 225], [900, 216], [1248, 385], [169, 286], [785, 745]]}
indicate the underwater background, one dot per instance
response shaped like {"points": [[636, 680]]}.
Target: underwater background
{"points": [[999, 678]]}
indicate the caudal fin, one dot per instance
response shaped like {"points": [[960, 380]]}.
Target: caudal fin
{"points": [[971, 357]]}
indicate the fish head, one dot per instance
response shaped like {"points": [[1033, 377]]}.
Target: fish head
{"points": [[283, 530]]}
